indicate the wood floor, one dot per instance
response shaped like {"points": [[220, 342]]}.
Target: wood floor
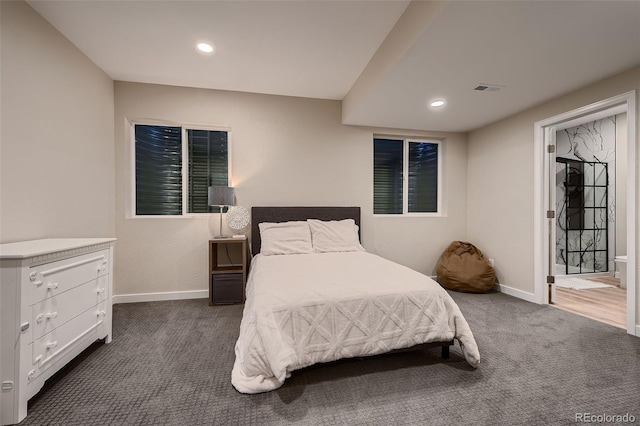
{"points": [[608, 305]]}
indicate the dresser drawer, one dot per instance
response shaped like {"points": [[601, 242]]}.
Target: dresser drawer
{"points": [[54, 311], [52, 346], [54, 278]]}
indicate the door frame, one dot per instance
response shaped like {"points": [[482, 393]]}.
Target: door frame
{"points": [[627, 101]]}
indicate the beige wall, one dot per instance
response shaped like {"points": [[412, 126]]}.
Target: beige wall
{"points": [[56, 153], [500, 180], [285, 151]]}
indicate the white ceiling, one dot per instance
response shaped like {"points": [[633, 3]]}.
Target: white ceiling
{"points": [[385, 59]]}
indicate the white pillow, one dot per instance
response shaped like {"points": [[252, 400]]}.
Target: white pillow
{"points": [[285, 238], [334, 235]]}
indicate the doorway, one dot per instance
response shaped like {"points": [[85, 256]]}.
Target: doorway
{"points": [[589, 240], [590, 164]]}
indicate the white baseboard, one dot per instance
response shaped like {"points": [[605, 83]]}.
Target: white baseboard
{"points": [[155, 297], [520, 294], [529, 297], [637, 330]]}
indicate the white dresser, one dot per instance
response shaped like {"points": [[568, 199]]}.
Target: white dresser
{"points": [[55, 296]]}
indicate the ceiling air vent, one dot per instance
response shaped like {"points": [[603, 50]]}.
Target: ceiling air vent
{"points": [[482, 87]]}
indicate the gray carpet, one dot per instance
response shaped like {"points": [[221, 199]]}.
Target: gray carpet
{"points": [[170, 363]]}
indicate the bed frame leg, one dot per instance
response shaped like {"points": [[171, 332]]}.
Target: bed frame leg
{"points": [[445, 352]]}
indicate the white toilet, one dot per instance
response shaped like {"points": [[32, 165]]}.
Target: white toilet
{"points": [[621, 263]]}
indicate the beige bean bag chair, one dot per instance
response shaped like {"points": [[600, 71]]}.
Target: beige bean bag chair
{"points": [[463, 267]]}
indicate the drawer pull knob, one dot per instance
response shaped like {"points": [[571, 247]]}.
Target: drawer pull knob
{"points": [[40, 318], [34, 278], [51, 345], [52, 315], [101, 313], [52, 286], [100, 290]]}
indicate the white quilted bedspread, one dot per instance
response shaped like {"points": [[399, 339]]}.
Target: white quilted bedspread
{"points": [[308, 308]]}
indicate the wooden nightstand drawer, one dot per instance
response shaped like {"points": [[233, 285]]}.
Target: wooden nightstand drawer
{"points": [[226, 289]]}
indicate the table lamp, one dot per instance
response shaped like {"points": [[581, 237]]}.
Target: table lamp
{"points": [[221, 196]]}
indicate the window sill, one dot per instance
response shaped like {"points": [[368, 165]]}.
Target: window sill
{"points": [[185, 216], [412, 215]]}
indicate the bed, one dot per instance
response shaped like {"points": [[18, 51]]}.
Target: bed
{"points": [[315, 295]]}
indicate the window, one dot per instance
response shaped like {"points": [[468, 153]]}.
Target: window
{"points": [[208, 165], [175, 165], [419, 161]]}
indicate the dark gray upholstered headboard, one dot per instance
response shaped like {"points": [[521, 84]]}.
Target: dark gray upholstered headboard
{"points": [[284, 214]]}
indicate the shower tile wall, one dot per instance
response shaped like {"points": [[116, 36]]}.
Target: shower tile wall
{"points": [[590, 142]]}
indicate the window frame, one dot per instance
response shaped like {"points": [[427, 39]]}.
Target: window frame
{"points": [[440, 211], [131, 138]]}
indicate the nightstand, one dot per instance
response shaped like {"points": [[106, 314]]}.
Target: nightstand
{"points": [[227, 281]]}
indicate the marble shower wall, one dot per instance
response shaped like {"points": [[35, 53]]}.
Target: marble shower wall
{"points": [[593, 142]]}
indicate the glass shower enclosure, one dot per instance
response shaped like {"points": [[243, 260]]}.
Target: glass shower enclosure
{"points": [[582, 216]]}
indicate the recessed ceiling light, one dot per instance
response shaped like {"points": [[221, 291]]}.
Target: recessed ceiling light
{"points": [[205, 47], [438, 103]]}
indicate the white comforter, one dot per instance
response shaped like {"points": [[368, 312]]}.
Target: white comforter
{"points": [[308, 308]]}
